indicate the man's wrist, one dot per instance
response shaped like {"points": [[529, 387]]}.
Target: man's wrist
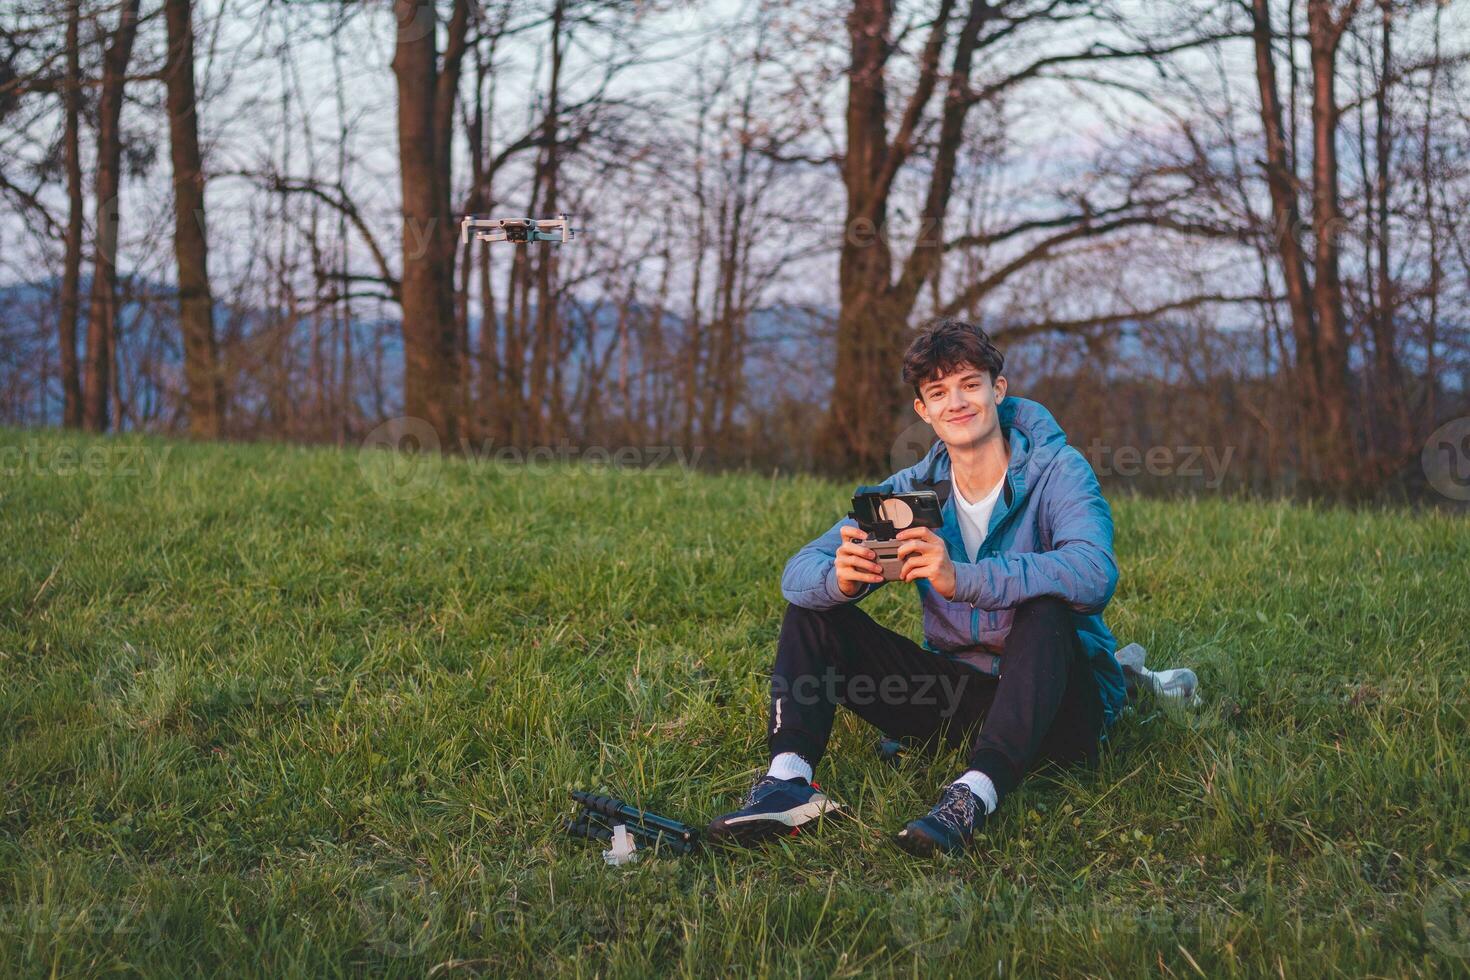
{"points": [[834, 587]]}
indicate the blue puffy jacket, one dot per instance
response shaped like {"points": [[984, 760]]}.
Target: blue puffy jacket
{"points": [[1051, 533]]}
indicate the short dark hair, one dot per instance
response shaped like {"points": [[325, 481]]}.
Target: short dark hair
{"points": [[945, 346]]}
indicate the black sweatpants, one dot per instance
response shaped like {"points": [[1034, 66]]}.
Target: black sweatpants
{"points": [[1045, 705]]}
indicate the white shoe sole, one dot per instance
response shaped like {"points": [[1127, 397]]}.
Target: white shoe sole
{"points": [[794, 817]]}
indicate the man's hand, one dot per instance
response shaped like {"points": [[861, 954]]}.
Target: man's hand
{"points": [[855, 564], [924, 556]]}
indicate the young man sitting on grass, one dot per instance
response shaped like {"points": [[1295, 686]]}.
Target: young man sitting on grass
{"points": [[1017, 667]]}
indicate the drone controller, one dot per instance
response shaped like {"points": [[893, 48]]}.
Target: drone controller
{"points": [[881, 514]]}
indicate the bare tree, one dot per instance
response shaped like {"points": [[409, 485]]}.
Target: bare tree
{"points": [[98, 392], [191, 248], [427, 89], [72, 265], [874, 305], [1333, 442]]}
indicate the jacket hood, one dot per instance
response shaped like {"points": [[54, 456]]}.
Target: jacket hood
{"points": [[1035, 439]]}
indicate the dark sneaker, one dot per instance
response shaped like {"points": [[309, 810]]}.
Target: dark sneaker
{"points": [[950, 826], [773, 806]]}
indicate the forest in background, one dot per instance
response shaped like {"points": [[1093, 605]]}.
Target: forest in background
{"points": [[1228, 232]]}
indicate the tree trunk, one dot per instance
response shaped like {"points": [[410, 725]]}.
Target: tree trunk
{"points": [[626, 433], [864, 401], [1388, 380], [1333, 433], [868, 399], [652, 367], [71, 276], [191, 247], [689, 373], [468, 424], [430, 339], [471, 423], [488, 402], [490, 399], [717, 341], [528, 342], [550, 416], [102, 307], [1285, 234], [1429, 411], [732, 298]]}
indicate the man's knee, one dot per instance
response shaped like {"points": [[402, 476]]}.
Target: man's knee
{"points": [[823, 634], [811, 651], [1045, 622], [1042, 611], [802, 618]]}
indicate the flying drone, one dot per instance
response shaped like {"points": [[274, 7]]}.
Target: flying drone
{"points": [[518, 231]]}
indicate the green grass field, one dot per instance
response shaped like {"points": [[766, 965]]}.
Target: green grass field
{"points": [[267, 711]]}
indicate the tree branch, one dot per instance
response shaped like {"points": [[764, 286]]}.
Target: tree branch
{"points": [[344, 206], [1043, 249], [903, 142], [31, 201], [1097, 52], [1060, 221], [1113, 319]]}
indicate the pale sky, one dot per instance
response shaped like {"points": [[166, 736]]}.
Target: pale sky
{"points": [[1057, 129]]}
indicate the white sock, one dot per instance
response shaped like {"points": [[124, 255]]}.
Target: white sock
{"points": [[789, 765], [982, 787]]}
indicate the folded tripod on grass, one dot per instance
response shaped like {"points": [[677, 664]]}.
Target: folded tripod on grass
{"points": [[599, 817]]}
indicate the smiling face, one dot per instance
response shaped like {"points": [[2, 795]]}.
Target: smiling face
{"points": [[961, 406]]}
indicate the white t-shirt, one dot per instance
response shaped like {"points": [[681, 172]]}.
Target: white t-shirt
{"points": [[975, 518]]}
